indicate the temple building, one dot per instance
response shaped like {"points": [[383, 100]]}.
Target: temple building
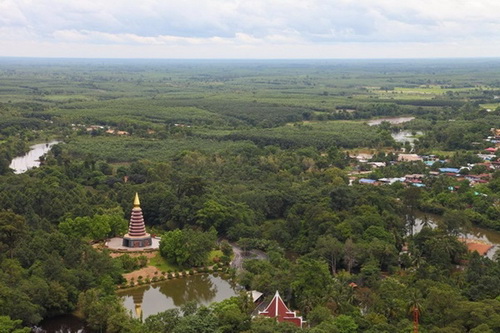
{"points": [[137, 235], [277, 309]]}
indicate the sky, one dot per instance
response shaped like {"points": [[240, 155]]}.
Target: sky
{"points": [[255, 29]]}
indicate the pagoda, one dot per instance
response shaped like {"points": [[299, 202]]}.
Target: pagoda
{"points": [[277, 309], [137, 235]]}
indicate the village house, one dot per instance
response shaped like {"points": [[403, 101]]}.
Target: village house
{"points": [[368, 181], [409, 158], [414, 178]]}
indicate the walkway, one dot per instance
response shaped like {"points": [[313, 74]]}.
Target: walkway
{"points": [[240, 256]]}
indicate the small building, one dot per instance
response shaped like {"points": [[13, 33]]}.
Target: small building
{"points": [[491, 150], [277, 309], [479, 246], [368, 181], [362, 157], [391, 180], [414, 178], [257, 296], [449, 170], [409, 158], [377, 164]]}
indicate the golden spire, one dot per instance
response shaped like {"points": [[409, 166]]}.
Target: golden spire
{"points": [[137, 203]]}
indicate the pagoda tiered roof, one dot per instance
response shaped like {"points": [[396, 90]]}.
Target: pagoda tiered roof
{"points": [[137, 228], [137, 235]]}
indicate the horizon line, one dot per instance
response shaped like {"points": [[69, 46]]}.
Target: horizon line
{"points": [[249, 59]]}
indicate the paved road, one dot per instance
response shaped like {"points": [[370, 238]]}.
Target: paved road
{"points": [[239, 256]]}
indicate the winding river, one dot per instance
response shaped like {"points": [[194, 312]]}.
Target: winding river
{"points": [[473, 233], [31, 159]]}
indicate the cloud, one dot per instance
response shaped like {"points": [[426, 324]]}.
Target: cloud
{"points": [[249, 23]]}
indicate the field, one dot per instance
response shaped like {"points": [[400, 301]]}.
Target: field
{"points": [[171, 106], [258, 153]]}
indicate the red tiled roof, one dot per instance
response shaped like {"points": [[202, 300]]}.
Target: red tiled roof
{"points": [[277, 309]]}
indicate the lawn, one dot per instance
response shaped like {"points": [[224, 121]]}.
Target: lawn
{"points": [[491, 106], [162, 264]]}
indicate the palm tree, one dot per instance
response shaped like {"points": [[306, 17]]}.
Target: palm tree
{"points": [[415, 309]]}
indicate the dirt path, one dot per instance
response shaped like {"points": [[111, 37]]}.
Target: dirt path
{"points": [[144, 272], [240, 256]]}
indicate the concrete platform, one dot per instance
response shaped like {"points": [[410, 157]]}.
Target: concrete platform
{"points": [[117, 244]]}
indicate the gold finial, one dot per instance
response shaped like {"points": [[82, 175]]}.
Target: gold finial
{"points": [[137, 203]]}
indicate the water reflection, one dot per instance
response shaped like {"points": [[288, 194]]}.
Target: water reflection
{"points": [[201, 288], [31, 159], [392, 120], [472, 233], [61, 324], [182, 291]]}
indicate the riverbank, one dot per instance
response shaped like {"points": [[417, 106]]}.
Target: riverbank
{"points": [[31, 159]]}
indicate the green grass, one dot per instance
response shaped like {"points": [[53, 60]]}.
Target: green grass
{"points": [[162, 264], [214, 254], [491, 106]]}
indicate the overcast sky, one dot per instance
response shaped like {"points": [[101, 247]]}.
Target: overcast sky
{"points": [[250, 29]]}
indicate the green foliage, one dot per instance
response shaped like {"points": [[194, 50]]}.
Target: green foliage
{"points": [[105, 313], [187, 247], [8, 325], [258, 156], [97, 227]]}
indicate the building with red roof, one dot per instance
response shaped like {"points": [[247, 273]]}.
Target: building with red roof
{"points": [[277, 309]]}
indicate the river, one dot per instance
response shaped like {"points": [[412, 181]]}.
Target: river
{"points": [[472, 233], [401, 136], [31, 159], [392, 120]]}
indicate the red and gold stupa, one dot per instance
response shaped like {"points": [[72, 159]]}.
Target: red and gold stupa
{"points": [[137, 235]]}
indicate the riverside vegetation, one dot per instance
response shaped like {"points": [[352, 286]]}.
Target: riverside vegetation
{"points": [[256, 152]]}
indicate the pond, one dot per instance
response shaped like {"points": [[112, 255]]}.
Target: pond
{"points": [[202, 288], [151, 299], [31, 159], [403, 136]]}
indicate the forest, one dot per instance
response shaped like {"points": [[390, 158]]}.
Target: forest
{"points": [[261, 154]]}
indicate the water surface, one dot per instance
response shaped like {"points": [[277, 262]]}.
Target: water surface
{"points": [[392, 120], [202, 288], [62, 324], [31, 159], [472, 233]]}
